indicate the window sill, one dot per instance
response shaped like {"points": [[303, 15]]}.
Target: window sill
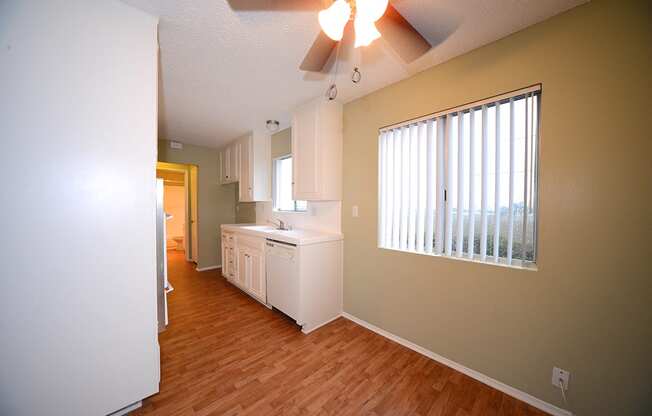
{"points": [[518, 264], [280, 211]]}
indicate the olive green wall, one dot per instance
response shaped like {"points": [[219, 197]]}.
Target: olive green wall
{"points": [[588, 308], [245, 213], [281, 143], [216, 203]]}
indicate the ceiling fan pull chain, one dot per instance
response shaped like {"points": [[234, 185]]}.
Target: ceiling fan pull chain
{"points": [[356, 76], [331, 92]]}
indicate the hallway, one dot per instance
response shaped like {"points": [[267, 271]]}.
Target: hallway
{"points": [[225, 354]]}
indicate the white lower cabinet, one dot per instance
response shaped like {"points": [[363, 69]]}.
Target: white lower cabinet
{"points": [[305, 280], [244, 259]]}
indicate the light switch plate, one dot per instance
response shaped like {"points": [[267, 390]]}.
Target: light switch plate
{"points": [[354, 211]]}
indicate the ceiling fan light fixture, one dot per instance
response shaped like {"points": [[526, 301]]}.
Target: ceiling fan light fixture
{"points": [[365, 32], [333, 19], [371, 10]]}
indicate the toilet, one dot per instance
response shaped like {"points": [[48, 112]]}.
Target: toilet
{"points": [[179, 243]]}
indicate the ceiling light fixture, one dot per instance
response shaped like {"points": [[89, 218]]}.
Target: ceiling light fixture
{"points": [[333, 19], [365, 32], [272, 125], [370, 10]]}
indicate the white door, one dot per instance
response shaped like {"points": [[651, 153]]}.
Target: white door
{"points": [[257, 275], [305, 166], [194, 199]]}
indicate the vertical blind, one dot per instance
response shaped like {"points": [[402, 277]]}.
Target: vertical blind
{"points": [[463, 183]]}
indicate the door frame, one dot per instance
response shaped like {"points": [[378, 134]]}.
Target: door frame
{"points": [[192, 190], [187, 229]]}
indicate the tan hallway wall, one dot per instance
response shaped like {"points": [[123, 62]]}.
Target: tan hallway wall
{"points": [[587, 308], [216, 202], [174, 203]]}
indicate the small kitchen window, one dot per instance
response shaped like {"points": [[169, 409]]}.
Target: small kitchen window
{"points": [[463, 183], [282, 186]]}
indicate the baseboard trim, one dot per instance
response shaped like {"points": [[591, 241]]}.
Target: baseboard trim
{"points": [[126, 410], [205, 269], [509, 390], [320, 325]]}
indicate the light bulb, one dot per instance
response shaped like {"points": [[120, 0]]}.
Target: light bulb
{"points": [[333, 19], [365, 32], [371, 10]]}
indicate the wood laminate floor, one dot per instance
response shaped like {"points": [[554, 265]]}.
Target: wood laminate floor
{"points": [[225, 354]]}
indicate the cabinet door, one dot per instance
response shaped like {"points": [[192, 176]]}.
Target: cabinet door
{"points": [[234, 162], [224, 256], [220, 167], [233, 265], [228, 263], [245, 177], [257, 281], [242, 268], [305, 160], [227, 176]]}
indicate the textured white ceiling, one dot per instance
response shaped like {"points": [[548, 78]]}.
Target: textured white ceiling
{"points": [[224, 73]]}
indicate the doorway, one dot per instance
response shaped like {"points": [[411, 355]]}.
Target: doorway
{"points": [[180, 203]]}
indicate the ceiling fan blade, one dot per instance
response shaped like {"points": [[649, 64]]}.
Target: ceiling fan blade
{"points": [[275, 5], [406, 41], [318, 54]]}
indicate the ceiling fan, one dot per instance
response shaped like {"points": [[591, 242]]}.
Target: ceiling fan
{"points": [[371, 19]]}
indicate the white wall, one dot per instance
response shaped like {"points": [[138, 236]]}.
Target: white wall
{"points": [[78, 117], [321, 216]]}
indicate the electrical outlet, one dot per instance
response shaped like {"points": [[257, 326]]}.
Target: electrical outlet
{"points": [[557, 374]]}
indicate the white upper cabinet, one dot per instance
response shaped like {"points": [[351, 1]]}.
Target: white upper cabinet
{"points": [[317, 151], [248, 161], [255, 167]]}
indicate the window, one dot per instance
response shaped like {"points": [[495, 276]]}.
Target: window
{"points": [[282, 184], [463, 183]]}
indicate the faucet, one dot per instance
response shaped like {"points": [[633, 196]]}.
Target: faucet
{"points": [[281, 224]]}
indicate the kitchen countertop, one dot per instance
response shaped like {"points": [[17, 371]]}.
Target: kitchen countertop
{"points": [[299, 237]]}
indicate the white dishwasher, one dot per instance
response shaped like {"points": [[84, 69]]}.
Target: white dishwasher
{"points": [[282, 277]]}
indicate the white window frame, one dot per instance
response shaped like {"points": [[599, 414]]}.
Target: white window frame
{"points": [[275, 188], [445, 204]]}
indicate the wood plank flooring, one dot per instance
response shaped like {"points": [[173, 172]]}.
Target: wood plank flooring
{"points": [[225, 354]]}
